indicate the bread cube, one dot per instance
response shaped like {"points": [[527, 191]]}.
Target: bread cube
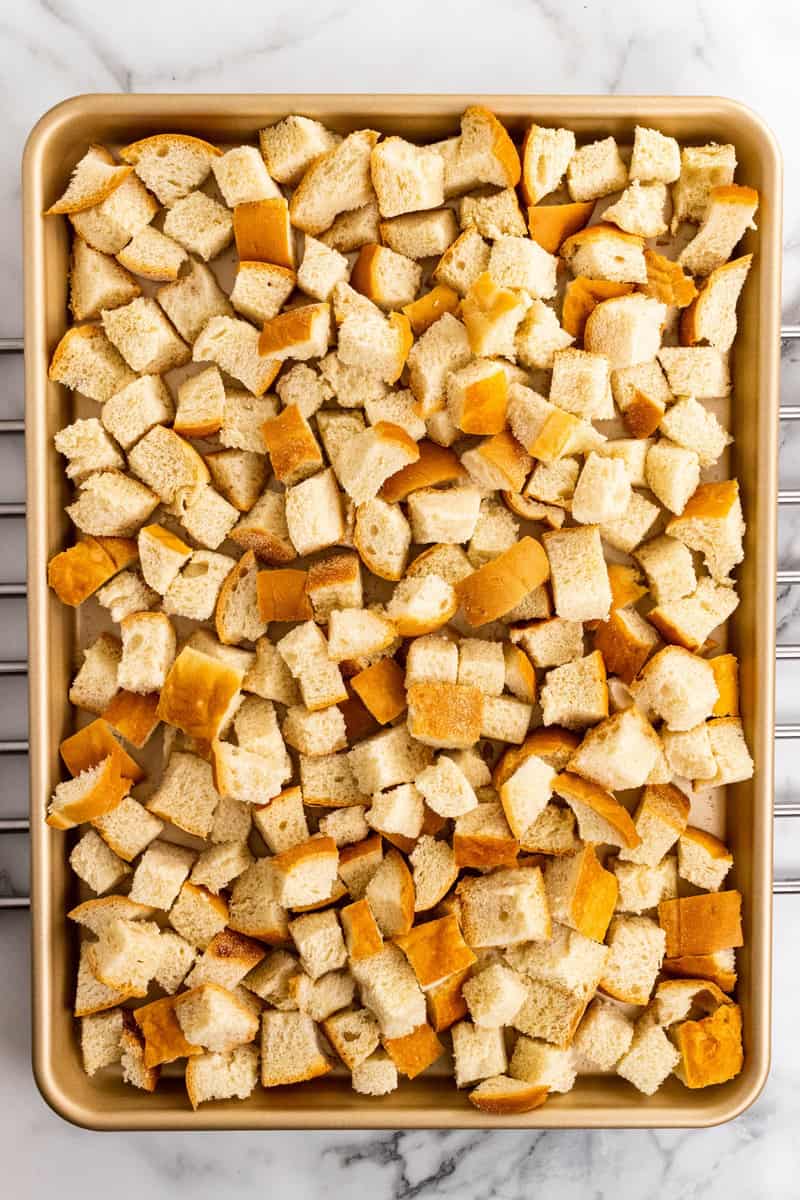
{"points": [[636, 949], [494, 996], [434, 872], [198, 915], [319, 941], [504, 908], [218, 1076], [604, 1035], [390, 892], [193, 300], [546, 1066], [479, 1052], [212, 1017], [493, 216], [315, 733], [233, 345], [399, 810], [581, 893], [314, 513], [305, 874], [650, 1058], [96, 864]]}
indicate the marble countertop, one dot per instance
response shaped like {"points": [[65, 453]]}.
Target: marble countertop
{"points": [[51, 49]]}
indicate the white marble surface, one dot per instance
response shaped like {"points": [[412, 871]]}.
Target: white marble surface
{"points": [[55, 48]]}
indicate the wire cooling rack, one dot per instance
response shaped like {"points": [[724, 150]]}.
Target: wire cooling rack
{"points": [[16, 508]]}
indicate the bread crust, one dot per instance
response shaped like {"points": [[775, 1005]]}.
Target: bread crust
{"points": [[63, 205], [582, 297], [573, 787], [445, 714], [237, 573], [446, 1003], [197, 694], [436, 950], [498, 586], [415, 1052], [263, 233], [134, 715], [726, 677], [381, 687], [701, 966], [163, 1037], [426, 310], [668, 282], [77, 573], [701, 924], [282, 595], [594, 896], [105, 794], [436, 464], [511, 1103], [91, 745], [711, 1049], [551, 224], [361, 933], [291, 445]]}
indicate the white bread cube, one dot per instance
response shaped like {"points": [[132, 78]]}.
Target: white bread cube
{"points": [[354, 229], [200, 224], [626, 532], [434, 871], [389, 988], [604, 1035], [100, 1040], [110, 225], [479, 1052], [712, 524], [728, 214], [195, 589], [504, 908], [171, 164], [319, 942], [290, 146], [110, 504], [212, 1017], [492, 316], [640, 209], [494, 996], [540, 337], [205, 515], [431, 658], [578, 573], [232, 821], [673, 473], [269, 677], [396, 408], [493, 216], [580, 384], [505, 718], [669, 569], [618, 753], [388, 758], [421, 605], [545, 156], [442, 348], [126, 955], [96, 864], [520, 263], [345, 825], [496, 531], [677, 687], [596, 170], [144, 337], [449, 515], [148, 651], [321, 269], [650, 1058], [660, 819], [547, 1066], [482, 664], [636, 950], [161, 871], [655, 157], [135, 409], [626, 329], [688, 753], [603, 490], [605, 252], [689, 621], [128, 828], [463, 261], [303, 387], [314, 513], [703, 860], [92, 996], [242, 176], [642, 887], [446, 789], [246, 776], [400, 810], [216, 1076], [526, 793], [261, 289], [87, 448], [420, 234], [334, 182], [550, 643], [728, 745], [687, 423], [219, 865], [85, 360], [282, 821], [371, 457], [233, 345], [699, 371], [96, 684], [315, 733], [193, 299], [375, 1076], [406, 177], [702, 168], [304, 875], [95, 177], [125, 594], [153, 255], [575, 694]]}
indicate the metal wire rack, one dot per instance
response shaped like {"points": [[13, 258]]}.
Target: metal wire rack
{"points": [[789, 577]]}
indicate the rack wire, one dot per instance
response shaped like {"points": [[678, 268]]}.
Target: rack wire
{"points": [[788, 497]]}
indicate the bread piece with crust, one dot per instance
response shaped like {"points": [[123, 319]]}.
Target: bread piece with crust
{"points": [[336, 181], [605, 252], [578, 573], [390, 893], [581, 893], [93, 180], [712, 524], [650, 1058], [728, 214], [618, 753], [504, 908], [677, 687], [703, 860], [711, 317], [601, 817], [501, 584], [546, 154], [701, 924], [233, 345], [689, 621], [389, 988]]}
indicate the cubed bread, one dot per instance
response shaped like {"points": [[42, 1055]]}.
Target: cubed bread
{"points": [[596, 170], [336, 181], [233, 345], [618, 753], [650, 1058], [192, 300], [581, 893], [712, 523], [677, 687], [504, 908], [728, 214]]}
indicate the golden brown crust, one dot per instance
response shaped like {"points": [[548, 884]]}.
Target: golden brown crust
{"points": [[163, 1037], [503, 149], [245, 565], [295, 327], [668, 803], [498, 586], [361, 933], [701, 924], [291, 445], [484, 851], [76, 573], [511, 1103], [426, 310], [436, 464], [573, 787], [712, 845], [415, 1052], [551, 224], [133, 715], [711, 1049], [282, 595], [297, 856], [623, 652], [643, 414], [101, 193], [582, 297], [505, 454], [435, 950], [667, 281], [403, 884], [448, 714], [382, 688], [263, 233], [551, 743], [594, 896], [701, 966], [446, 1003], [710, 502], [91, 745], [105, 794], [625, 586], [197, 694], [691, 317], [726, 677]]}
